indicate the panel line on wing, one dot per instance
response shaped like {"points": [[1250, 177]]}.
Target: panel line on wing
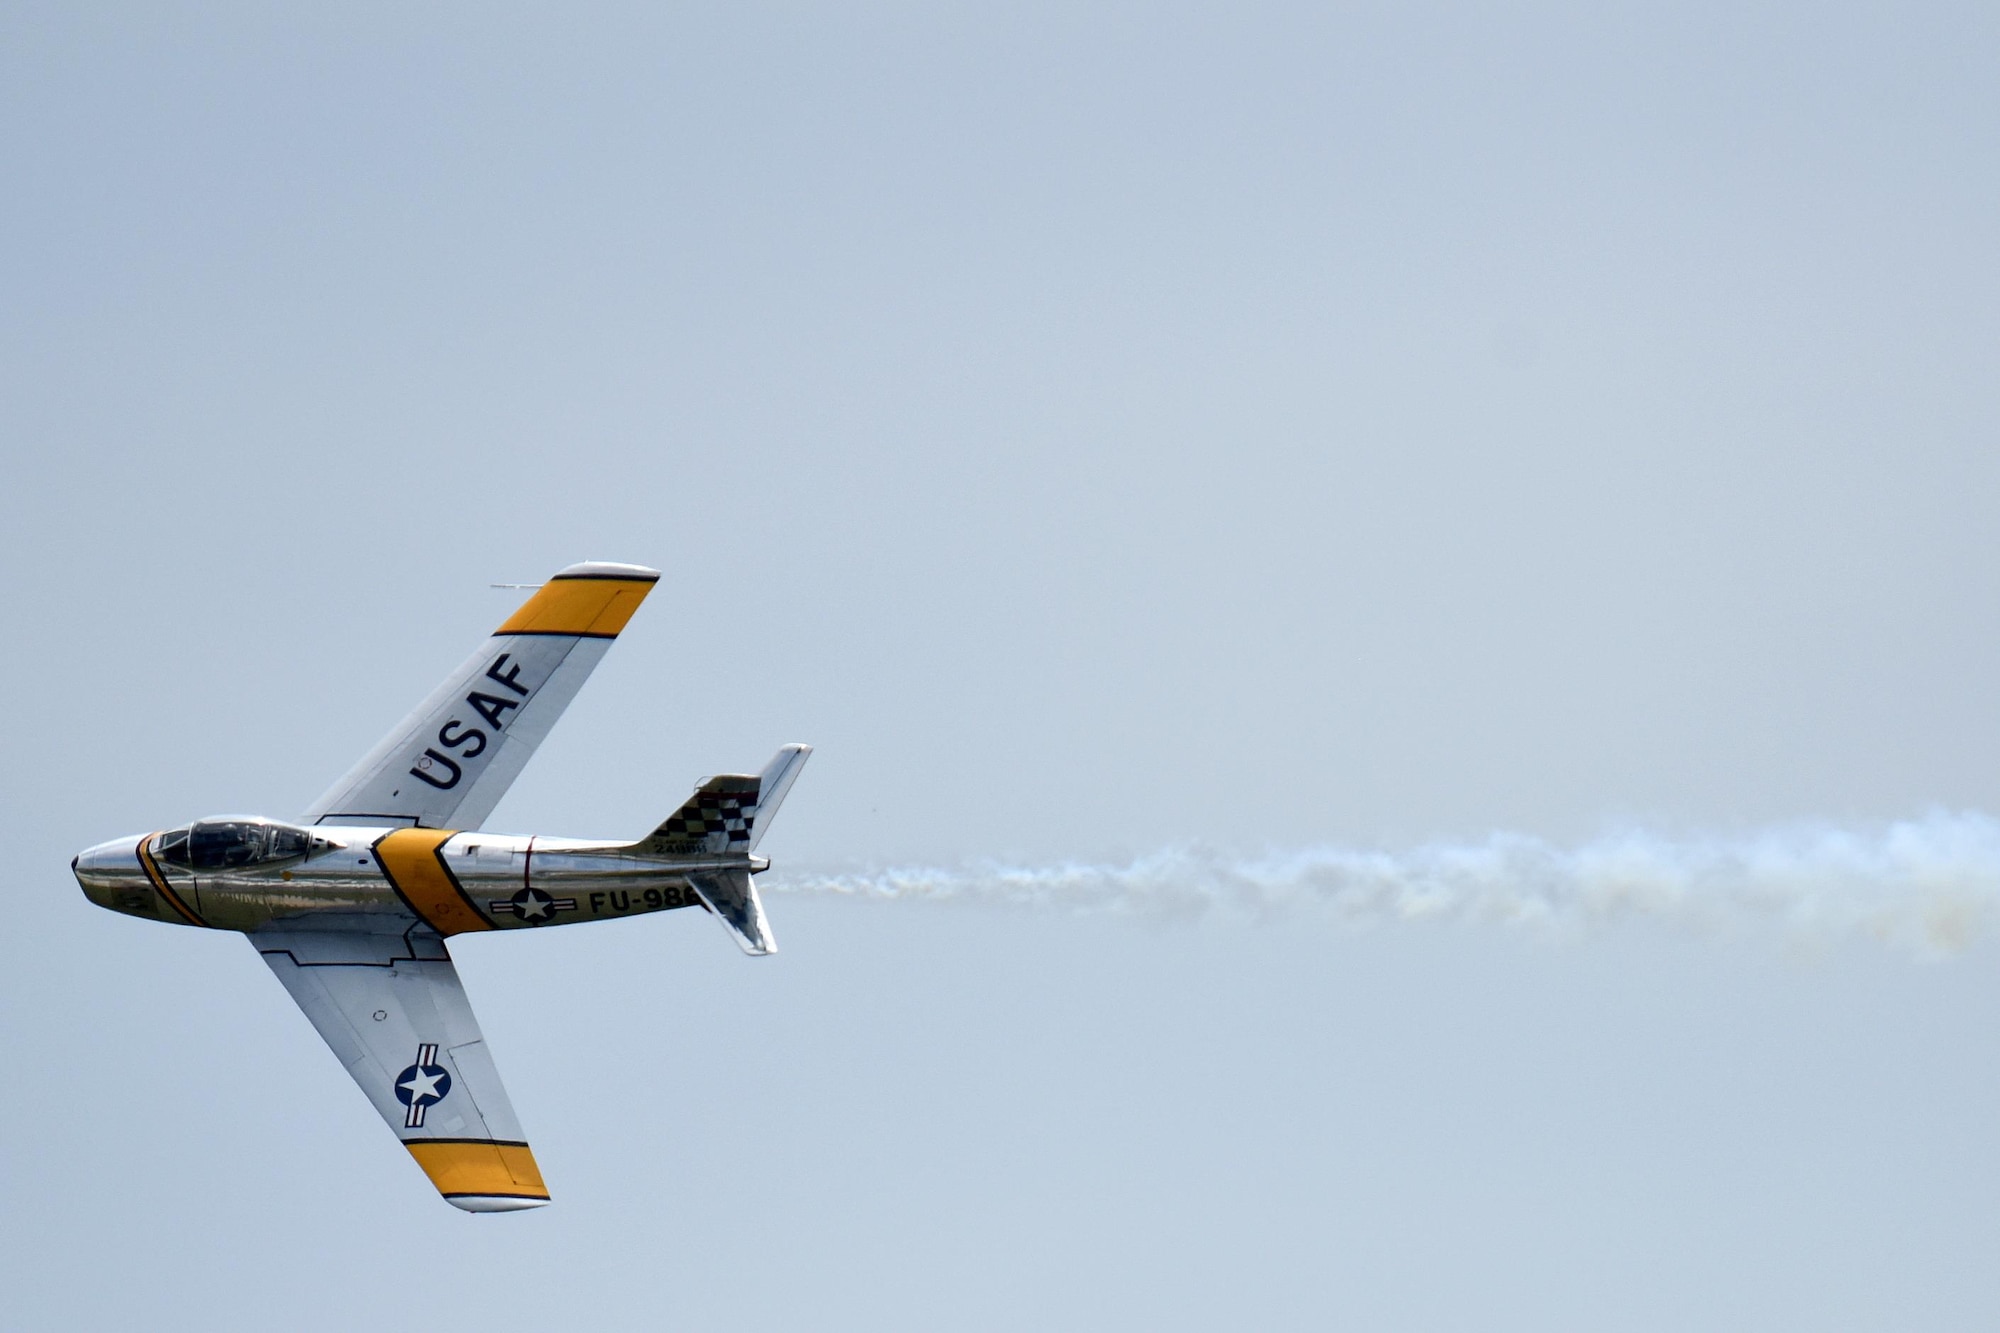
{"points": [[553, 634]]}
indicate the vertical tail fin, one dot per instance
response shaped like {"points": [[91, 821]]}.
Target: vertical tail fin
{"points": [[729, 814], [776, 779]]}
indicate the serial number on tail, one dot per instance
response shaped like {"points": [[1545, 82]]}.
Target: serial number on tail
{"points": [[617, 902]]}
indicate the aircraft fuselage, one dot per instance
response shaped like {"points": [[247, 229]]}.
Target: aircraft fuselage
{"points": [[387, 879]]}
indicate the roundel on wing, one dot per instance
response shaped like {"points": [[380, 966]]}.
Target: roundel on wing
{"points": [[422, 1085]]}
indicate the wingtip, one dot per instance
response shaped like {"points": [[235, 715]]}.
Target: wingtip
{"points": [[493, 1203], [606, 569]]}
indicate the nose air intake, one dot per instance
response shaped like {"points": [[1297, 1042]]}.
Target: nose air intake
{"points": [[115, 876], [106, 866]]}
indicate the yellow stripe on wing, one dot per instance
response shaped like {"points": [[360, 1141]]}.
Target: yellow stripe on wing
{"points": [[586, 605], [468, 1166], [412, 859]]}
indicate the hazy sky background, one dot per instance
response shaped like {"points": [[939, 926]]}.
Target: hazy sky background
{"points": [[1096, 428]]}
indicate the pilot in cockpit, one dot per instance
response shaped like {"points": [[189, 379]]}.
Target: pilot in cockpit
{"points": [[231, 842]]}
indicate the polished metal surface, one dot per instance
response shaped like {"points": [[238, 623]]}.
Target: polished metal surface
{"points": [[343, 879], [112, 877], [351, 906]]}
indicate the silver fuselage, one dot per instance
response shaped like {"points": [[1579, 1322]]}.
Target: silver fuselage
{"points": [[389, 879]]}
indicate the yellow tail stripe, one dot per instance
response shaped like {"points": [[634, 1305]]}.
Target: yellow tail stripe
{"points": [[586, 605], [160, 886], [411, 860], [465, 1166]]}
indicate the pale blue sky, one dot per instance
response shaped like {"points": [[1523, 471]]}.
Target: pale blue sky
{"points": [[1095, 428]]}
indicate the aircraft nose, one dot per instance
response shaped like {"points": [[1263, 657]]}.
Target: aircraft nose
{"points": [[119, 857], [108, 868]]}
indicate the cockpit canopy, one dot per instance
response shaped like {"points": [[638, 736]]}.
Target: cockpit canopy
{"points": [[231, 842]]}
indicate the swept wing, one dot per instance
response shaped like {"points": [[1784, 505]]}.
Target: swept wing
{"points": [[391, 1008], [448, 763]]}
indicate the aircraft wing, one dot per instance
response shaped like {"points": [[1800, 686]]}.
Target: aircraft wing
{"points": [[448, 763], [395, 1015]]}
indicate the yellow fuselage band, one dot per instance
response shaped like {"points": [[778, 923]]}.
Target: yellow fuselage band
{"points": [[409, 857]]}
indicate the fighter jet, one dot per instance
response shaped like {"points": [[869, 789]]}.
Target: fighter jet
{"points": [[351, 903]]}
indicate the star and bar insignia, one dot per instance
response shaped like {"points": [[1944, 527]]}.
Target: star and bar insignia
{"points": [[532, 905], [422, 1085]]}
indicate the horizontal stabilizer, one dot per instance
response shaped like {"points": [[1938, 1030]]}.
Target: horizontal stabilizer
{"points": [[725, 818], [733, 898]]}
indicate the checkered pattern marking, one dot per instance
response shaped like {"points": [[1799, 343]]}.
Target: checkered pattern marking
{"points": [[717, 818]]}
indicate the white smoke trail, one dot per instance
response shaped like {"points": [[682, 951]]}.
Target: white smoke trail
{"points": [[1930, 884]]}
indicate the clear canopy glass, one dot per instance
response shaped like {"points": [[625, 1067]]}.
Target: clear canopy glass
{"points": [[227, 844]]}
